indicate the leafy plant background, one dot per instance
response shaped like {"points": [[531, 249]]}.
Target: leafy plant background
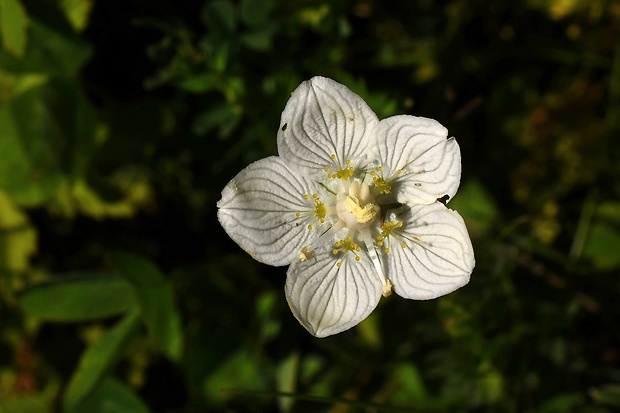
{"points": [[121, 121]]}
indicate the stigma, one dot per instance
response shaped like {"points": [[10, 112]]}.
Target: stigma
{"points": [[358, 208]]}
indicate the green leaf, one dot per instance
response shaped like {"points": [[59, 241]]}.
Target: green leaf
{"points": [[603, 238], [72, 299], [156, 300], [608, 395], [257, 12], [27, 172], [49, 51], [97, 360], [31, 403], [219, 15], [111, 396], [13, 27]]}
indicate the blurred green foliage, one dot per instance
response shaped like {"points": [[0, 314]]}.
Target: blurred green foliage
{"points": [[120, 122]]}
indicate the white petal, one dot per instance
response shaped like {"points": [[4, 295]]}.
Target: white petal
{"points": [[438, 258], [430, 164], [327, 299], [258, 209], [324, 118]]}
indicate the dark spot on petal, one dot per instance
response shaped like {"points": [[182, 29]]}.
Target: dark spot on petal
{"points": [[284, 127], [418, 184]]}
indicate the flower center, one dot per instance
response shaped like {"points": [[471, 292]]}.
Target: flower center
{"points": [[358, 209]]}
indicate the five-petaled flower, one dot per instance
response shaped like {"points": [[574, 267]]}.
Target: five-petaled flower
{"points": [[351, 203]]}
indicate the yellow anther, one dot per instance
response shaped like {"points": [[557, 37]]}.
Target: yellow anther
{"points": [[306, 196], [345, 246], [383, 187], [326, 169], [338, 264], [380, 169], [403, 245], [310, 226], [334, 156], [343, 174], [400, 171], [388, 227], [380, 243], [297, 214], [315, 196], [347, 162], [373, 173], [387, 250]]}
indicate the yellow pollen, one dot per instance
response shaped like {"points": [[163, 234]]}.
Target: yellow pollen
{"points": [[334, 156], [380, 243], [387, 250], [400, 171], [357, 258], [347, 162], [309, 226], [326, 169], [297, 214], [380, 169], [335, 251], [339, 263], [403, 245], [306, 196], [373, 173]]}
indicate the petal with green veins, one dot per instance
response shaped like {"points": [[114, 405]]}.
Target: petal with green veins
{"points": [[334, 290], [431, 254], [323, 125], [418, 160], [260, 210]]}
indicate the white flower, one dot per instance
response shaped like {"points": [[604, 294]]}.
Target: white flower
{"points": [[351, 204]]}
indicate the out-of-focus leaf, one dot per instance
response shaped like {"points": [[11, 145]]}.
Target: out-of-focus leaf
{"points": [[603, 239], [239, 371], [411, 389], [201, 83], [608, 395], [286, 377], [27, 170], [220, 15], [256, 12], [49, 51], [155, 297], [98, 358], [562, 403], [223, 117], [18, 239], [111, 396], [77, 12], [13, 27], [476, 206], [36, 403], [259, 40], [78, 298], [48, 132]]}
